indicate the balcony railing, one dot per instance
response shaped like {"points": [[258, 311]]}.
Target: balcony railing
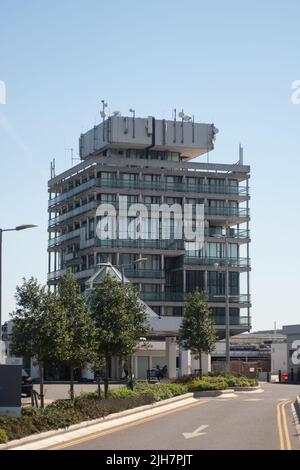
{"points": [[234, 321], [174, 187], [224, 212], [144, 273], [56, 274], [176, 245], [231, 233], [242, 321], [78, 211], [217, 262], [180, 297], [64, 237], [72, 192], [152, 186]]}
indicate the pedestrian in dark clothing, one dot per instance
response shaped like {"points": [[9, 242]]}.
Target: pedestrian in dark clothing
{"points": [[126, 370]]}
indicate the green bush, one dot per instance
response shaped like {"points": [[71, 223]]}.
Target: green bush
{"points": [[184, 379], [64, 413], [230, 379], [3, 436], [122, 393], [203, 385], [161, 391]]}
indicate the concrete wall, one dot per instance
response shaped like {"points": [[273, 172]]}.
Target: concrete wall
{"points": [[279, 357], [125, 132], [292, 333]]}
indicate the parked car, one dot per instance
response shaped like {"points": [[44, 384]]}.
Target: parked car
{"points": [[27, 385]]}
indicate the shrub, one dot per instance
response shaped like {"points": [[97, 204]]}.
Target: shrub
{"points": [[184, 379], [122, 393], [3, 436], [203, 385], [63, 413], [161, 391]]}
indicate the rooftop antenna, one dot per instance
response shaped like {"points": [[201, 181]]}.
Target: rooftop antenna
{"points": [[103, 115], [71, 150], [193, 129], [52, 168], [174, 113], [131, 110], [181, 115], [241, 155]]}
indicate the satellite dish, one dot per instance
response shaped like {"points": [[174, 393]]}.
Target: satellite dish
{"points": [[187, 118], [102, 114], [116, 113], [181, 114]]}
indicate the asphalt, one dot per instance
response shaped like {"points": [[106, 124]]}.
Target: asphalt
{"points": [[244, 421]]}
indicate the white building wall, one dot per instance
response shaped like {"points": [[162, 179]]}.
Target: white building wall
{"points": [[278, 357]]}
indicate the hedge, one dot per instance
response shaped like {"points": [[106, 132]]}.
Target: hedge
{"points": [[203, 385], [64, 413]]}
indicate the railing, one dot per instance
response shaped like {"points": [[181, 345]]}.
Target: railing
{"points": [[144, 273], [72, 192], [234, 321], [231, 233], [180, 297], [174, 187], [79, 210], [56, 274], [225, 212], [176, 245], [233, 299], [153, 186], [217, 262], [65, 237]]}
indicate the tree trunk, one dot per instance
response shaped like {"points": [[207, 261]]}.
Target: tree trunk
{"points": [[71, 382], [107, 359], [98, 387], [200, 364], [130, 381], [41, 372]]}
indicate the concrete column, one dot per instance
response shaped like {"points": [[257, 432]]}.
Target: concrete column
{"points": [[206, 363], [171, 356], [87, 372], [185, 362], [34, 369]]}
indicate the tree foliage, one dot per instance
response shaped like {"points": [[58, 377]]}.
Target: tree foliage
{"points": [[80, 328], [39, 326], [197, 331], [120, 318]]}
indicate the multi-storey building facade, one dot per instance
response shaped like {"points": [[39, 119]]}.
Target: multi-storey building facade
{"points": [[149, 161]]}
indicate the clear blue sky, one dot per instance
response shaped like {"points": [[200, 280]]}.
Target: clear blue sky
{"points": [[228, 62]]}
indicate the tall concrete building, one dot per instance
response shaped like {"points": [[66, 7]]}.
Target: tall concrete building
{"points": [[151, 162]]}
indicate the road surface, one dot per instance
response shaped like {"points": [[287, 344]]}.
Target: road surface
{"points": [[244, 421]]}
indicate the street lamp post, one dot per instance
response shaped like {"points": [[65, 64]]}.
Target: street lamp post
{"points": [[18, 228], [227, 312]]}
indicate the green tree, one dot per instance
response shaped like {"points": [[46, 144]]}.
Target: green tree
{"points": [[81, 330], [197, 331], [120, 318], [39, 326]]}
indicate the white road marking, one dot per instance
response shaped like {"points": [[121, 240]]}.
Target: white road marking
{"points": [[227, 395], [253, 399], [196, 433]]}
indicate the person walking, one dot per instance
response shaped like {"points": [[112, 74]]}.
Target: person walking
{"points": [[125, 370]]}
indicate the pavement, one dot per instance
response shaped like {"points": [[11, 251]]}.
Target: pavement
{"points": [[257, 420], [59, 391]]}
